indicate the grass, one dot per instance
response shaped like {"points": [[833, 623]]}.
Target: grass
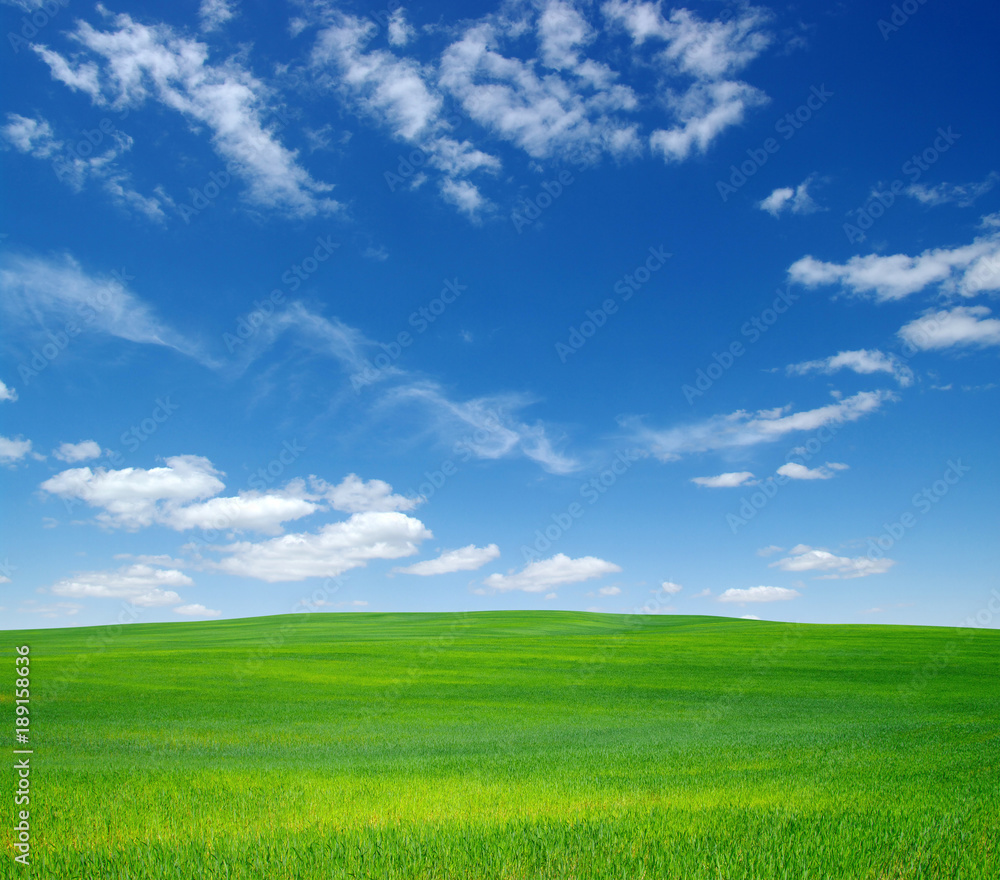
{"points": [[511, 745]]}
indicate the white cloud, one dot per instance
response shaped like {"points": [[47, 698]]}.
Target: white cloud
{"points": [[130, 497], [962, 194], [806, 558], [487, 427], [965, 270], [74, 452], [769, 550], [139, 584], [180, 495], [34, 136], [960, 326], [742, 428], [12, 450], [537, 577], [864, 361], [7, 393], [758, 594], [400, 32], [609, 591], [60, 290], [132, 63], [724, 481], [670, 587], [464, 559], [700, 48], [196, 611], [543, 115], [31, 136], [263, 512], [215, 13], [796, 471], [332, 550], [707, 51], [702, 594], [465, 196], [795, 200], [354, 495], [398, 93], [749, 617], [704, 112]]}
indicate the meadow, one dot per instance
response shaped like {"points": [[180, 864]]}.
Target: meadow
{"points": [[510, 745]]}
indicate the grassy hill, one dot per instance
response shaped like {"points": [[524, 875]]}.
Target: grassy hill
{"points": [[511, 745]]}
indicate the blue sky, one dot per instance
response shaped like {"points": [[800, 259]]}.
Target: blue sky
{"points": [[617, 306]]}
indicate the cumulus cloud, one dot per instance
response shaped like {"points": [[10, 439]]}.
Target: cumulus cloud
{"points": [[185, 492], [131, 63], [7, 393], [864, 361], [467, 558], [544, 574], [770, 550], [544, 115], [797, 471], [609, 591], [400, 32], [805, 558], [795, 200], [214, 14], [354, 495], [196, 610], [965, 270], [13, 449], [758, 594], [74, 452], [742, 428], [132, 497], [964, 326], [709, 53], [139, 584], [724, 481], [670, 587], [332, 550]]}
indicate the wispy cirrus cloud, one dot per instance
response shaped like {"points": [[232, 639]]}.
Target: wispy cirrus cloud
{"points": [[745, 429], [863, 361]]}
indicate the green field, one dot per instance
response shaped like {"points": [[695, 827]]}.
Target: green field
{"points": [[510, 745]]}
